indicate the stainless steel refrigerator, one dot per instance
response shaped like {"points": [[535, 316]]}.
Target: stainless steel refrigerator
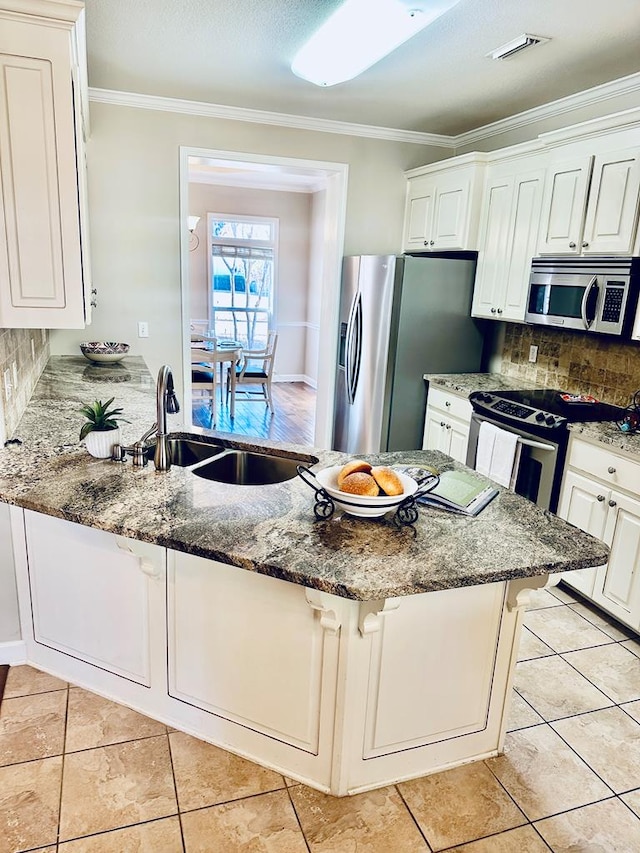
{"points": [[400, 317]]}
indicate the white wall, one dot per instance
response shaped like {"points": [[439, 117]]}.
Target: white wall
{"points": [[133, 172], [293, 210]]}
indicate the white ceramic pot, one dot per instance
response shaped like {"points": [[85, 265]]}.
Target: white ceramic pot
{"points": [[100, 443]]}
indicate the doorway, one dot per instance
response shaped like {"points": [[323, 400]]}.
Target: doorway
{"points": [[325, 185]]}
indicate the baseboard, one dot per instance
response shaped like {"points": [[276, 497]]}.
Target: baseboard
{"points": [[13, 653], [295, 377]]}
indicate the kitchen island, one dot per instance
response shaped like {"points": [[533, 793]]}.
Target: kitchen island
{"points": [[346, 653]]}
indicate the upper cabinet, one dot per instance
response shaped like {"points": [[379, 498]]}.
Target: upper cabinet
{"points": [[510, 216], [43, 258], [591, 205], [442, 206]]}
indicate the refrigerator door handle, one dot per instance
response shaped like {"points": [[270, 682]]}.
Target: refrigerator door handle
{"points": [[355, 349], [348, 349]]}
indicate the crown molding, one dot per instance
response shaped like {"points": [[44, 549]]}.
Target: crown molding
{"points": [[606, 91], [623, 86], [200, 108]]}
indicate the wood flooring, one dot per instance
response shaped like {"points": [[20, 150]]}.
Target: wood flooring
{"points": [[293, 421]]}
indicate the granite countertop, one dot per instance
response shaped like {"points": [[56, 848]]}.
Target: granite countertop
{"points": [[266, 529]]}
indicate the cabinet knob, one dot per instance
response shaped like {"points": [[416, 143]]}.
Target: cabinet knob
{"points": [[572, 245], [431, 243], [600, 498], [611, 469], [499, 310], [493, 310], [447, 402], [426, 242], [447, 426], [442, 423], [612, 503], [585, 245]]}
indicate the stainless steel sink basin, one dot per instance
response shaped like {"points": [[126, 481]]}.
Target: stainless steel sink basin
{"points": [[244, 468], [188, 451]]}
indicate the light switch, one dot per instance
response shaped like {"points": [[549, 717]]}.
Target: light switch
{"points": [[143, 329]]}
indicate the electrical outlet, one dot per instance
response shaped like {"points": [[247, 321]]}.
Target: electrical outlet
{"points": [[8, 387], [533, 353], [143, 329]]}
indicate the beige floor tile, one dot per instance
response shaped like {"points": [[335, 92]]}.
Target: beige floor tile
{"points": [[612, 669], [632, 645], [633, 709], [158, 836], [24, 680], [531, 647], [543, 775], [94, 721], [521, 714], [262, 824], [564, 630], [32, 726], [29, 799], [555, 689], [460, 805], [607, 624], [540, 598], [522, 840], [632, 799], [609, 827], [609, 741], [290, 783], [207, 775], [374, 822], [114, 786]]}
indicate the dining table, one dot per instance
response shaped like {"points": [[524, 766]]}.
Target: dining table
{"points": [[220, 351]]}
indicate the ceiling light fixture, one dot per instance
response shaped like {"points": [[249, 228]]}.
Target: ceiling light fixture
{"points": [[516, 45], [359, 34]]}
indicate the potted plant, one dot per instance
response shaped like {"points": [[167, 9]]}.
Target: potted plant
{"points": [[101, 430]]}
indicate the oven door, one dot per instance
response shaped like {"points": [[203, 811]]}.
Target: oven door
{"points": [[539, 467]]}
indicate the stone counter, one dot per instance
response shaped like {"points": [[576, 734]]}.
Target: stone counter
{"points": [[266, 529]]}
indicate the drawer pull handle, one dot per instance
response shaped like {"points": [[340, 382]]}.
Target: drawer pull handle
{"points": [[612, 503], [611, 469], [600, 498]]}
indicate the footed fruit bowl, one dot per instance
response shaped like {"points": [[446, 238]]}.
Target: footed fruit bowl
{"points": [[104, 352], [359, 505]]}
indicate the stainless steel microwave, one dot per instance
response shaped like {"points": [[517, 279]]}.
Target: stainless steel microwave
{"points": [[589, 294]]}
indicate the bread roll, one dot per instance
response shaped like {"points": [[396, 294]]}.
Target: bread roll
{"points": [[360, 483], [388, 480], [351, 468]]}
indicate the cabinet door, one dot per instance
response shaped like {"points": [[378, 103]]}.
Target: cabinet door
{"points": [[583, 503], [524, 222], [563, 207], [612, 210], [419, 213], [488, 292], [619, 592], [434, 432], [250, 649], [90, 594], [451, 212], [458, 440]]}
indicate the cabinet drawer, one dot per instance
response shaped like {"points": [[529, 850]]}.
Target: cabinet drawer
{"points": [[450, 404], [611, 468]]}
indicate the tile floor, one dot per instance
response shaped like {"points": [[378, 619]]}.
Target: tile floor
{"points": [[79, 774]]}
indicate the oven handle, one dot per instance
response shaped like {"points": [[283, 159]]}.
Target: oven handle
{"points": [[585, 299], [537, 444]]}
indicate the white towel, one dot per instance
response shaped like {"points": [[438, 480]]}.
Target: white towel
{"points": [[497, 453]]}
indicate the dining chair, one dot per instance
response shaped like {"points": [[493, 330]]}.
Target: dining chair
{"points": [[203, 375], [254, 374]]}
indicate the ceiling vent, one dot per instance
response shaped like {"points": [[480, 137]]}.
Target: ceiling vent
{"points": [[516, 45]]}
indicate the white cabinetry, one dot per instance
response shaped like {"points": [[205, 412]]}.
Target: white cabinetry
{"points": [[42, 279], [510, 217], [591, 204], [90, 594], [601, 494], [442, 206], [447, 423]]}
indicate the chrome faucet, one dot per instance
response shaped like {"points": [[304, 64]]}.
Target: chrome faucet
{"points": [[166, 403]]}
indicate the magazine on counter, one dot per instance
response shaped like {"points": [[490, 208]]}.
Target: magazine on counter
{"points": [[459, 491]]}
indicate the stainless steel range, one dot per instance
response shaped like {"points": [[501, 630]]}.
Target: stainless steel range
{"points": [[540, 419]]}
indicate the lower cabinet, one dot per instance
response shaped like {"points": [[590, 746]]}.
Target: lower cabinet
{"points": [[608, 506], [447, 423]]}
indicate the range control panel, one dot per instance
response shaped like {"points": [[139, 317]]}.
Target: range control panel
{"points": [[491, 404]]}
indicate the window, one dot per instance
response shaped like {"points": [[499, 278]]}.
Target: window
{"points": [[243, 260]]}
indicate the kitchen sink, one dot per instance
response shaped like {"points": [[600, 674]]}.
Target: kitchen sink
{"points": [[244, 468], [188, 451]]}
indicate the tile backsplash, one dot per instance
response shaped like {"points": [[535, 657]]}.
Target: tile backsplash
{"points": [[16, 347], [576, 362]]}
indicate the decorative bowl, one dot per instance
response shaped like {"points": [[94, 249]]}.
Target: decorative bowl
{"points": [[359, 505], [104, 352]]}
